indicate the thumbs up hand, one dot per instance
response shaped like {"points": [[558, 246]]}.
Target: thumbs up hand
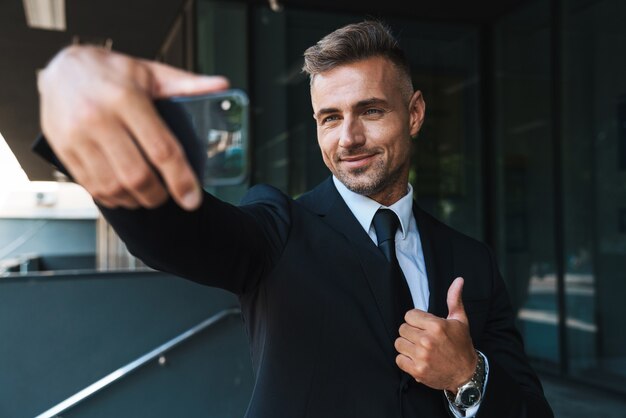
{"points": [[435, 351]]}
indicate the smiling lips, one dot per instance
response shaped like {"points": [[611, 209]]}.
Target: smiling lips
{"points": [[356, 161]]}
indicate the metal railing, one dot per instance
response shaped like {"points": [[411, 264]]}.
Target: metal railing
{"points": [[132, 366]]}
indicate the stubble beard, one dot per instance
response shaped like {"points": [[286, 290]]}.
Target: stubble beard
{"points": [[369, 181]]}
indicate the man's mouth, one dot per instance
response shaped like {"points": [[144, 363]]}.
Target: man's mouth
{"points": [[356, 161]]}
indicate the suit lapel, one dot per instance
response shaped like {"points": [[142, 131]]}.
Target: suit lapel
{"points": [[439, 261], [438, 255], [327, 202]]}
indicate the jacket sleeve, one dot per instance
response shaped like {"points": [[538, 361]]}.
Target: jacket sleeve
{"points": [[218, 244], [513, 389]]}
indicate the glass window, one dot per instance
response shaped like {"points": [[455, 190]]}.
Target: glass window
{"points": [[444, 61], [594, 172], [525, 187], [217, 21]]}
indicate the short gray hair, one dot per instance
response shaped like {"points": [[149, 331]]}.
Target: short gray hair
{"points": [[352, 43]]}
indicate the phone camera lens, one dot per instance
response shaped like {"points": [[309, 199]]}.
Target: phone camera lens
{"points": [[226, 105]]}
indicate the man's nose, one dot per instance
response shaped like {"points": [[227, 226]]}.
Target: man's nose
{"points": [[352, 134]]}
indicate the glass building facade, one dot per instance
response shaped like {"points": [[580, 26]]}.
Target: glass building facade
{"points": [[524, 147]]}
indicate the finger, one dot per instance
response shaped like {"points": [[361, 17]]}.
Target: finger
{"points": [[406, 364], [410, 332], [80, 174], [106, 188], [418, 350], [404, 346], [456, 310], [169, 81], [130, 167], [162, 150], [419, 319]]}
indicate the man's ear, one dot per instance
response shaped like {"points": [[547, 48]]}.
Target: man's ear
{"points": [[417, 110]]}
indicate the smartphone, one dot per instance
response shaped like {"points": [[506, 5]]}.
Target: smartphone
{"points": [[213, 131]]}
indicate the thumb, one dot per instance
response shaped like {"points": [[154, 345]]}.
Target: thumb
{"points": [[456, 310], [169, 81]]}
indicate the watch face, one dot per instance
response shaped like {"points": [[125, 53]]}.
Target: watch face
{"points": [[469, 397]]}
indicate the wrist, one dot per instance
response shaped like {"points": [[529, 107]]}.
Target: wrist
{"points": [[467, 376], [470, 393]]}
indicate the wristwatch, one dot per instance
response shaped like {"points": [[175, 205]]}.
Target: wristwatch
{"points": [[470, 393]]}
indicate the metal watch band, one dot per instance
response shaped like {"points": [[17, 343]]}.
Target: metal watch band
{"points": [[469, 394]]}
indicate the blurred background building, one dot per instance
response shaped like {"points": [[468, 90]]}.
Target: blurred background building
{"points": [[523, 147]]}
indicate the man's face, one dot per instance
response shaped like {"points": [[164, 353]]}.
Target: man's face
{"points": [[365, 122]]}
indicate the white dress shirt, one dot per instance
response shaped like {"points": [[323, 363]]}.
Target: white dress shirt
{"points": [[408, 245], [408, 251]]}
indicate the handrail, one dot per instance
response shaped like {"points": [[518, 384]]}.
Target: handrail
{"points": [[22, 239], [132, 366]]}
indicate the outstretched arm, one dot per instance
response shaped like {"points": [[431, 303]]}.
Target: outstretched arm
{"points": [[100, 124]]}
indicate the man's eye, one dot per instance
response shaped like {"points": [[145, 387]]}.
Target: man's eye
{"points": [[373, 111], [330, 119]]}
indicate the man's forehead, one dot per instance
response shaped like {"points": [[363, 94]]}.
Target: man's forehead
{"points": [[350, 84]]}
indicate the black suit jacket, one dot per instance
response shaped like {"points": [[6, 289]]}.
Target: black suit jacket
{"points": [[308, 278]]}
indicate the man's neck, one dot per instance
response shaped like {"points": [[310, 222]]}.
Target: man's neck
{"points": [[390, 195]]}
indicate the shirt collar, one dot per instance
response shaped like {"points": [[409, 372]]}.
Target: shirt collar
{"points": [[365, 208]]}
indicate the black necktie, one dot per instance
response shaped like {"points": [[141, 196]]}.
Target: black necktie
{"points": [[386, 224]]}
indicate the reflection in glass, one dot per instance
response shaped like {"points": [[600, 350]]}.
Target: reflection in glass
{"points": [[525, 182], [595, 188]]}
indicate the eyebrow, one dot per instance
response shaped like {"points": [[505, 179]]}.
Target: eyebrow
{"points": [[358, 105]]}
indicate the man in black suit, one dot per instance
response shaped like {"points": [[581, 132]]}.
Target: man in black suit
{"points": [[352, 296]]}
